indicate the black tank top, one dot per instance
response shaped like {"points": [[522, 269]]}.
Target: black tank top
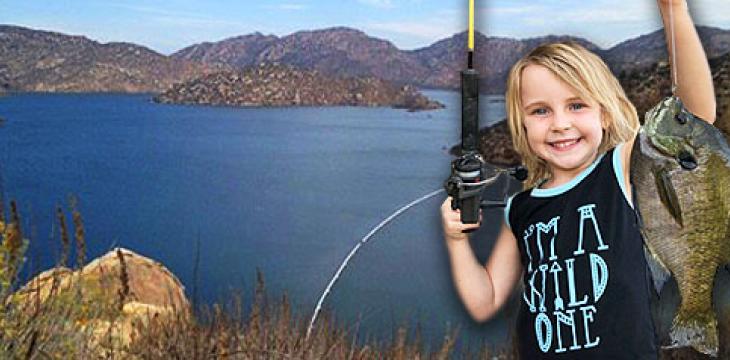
{"points": [[586, 283]]}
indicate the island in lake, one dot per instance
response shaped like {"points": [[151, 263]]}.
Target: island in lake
{"points": [[283, 85]]}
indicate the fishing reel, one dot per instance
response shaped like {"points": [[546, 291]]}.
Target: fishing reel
{"points": [[469, 172], [470, 175]]}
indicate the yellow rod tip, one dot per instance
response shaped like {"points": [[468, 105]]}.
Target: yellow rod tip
{"points": [[471, 24]]}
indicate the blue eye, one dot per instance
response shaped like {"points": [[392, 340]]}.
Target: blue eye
{"points": [[577, 106], [539, 111]]}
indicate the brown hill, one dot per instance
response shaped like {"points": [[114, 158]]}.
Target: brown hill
{"points": [[646, 50], [239, 51], [34, 60], [344, 52]]}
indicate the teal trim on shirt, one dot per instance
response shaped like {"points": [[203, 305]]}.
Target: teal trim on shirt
{"points": [[537, 192], [506, 211], [618, 169]]}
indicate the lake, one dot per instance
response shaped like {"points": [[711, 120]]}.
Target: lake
{"points": [[288, 191]]}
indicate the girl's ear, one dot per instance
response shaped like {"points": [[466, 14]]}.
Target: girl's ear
{"points": [[604, 119]]}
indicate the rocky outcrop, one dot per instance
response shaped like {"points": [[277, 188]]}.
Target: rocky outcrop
{"points": [[123, 289], [280, 85], [495, 145]]}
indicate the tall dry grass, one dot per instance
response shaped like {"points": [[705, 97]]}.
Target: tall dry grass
{"points": [[29, 326], [38, 323]]}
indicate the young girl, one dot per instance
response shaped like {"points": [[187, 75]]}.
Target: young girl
{"points": [[573, 235]]}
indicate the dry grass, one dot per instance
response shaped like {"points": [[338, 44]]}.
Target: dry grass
{"points": [[271, 332], [36, 323]]}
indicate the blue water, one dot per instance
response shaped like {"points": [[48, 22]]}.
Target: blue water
{"points": [[286, 190]]}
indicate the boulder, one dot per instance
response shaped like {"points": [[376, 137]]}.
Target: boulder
{"points": [[110, 298]]}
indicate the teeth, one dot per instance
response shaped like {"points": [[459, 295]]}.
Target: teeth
{"points": [[564, 144]]}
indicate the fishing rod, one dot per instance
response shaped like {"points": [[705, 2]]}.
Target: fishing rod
{"points": [[470, 174]]}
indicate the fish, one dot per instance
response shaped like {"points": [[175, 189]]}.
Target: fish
{"points": [[680, 175]]}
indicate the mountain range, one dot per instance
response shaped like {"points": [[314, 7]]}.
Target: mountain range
{"points": [[36, 60], [33, 60]]}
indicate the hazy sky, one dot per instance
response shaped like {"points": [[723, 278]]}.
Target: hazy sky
{"points": [[167, 26]]}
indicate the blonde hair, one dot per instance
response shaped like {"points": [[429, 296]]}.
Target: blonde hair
{"points": [[586, 73]]}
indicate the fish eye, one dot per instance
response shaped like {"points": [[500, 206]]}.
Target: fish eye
{"points": [[682, 117]]}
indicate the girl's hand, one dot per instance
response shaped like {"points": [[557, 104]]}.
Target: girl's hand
{"points": [[451, 221]]}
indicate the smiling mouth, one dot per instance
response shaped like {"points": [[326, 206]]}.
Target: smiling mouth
{"points": [[564, 144]]}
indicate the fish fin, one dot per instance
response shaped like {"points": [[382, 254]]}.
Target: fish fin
{"points": [[659, 272], [668, 195], [698, 331], [723, 122]]}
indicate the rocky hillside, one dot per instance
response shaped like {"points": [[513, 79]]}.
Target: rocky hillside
{"points": [[47, 61], [239, 51], [645, 87], [648, 49], [495, 145], [337, 51], [282, 85], [348, 51], [4, 82], [721, 78], [33, 60]]}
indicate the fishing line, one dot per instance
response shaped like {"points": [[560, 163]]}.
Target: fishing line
{"points": [[674, 48], [386, 221], [357, 247]]}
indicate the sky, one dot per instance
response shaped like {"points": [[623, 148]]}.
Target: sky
{"points": [[167, 26]]}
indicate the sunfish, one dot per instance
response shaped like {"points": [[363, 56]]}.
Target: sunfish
{"points": [[680, 171]]}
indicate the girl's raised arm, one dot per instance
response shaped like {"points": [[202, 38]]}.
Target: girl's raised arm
{"points": [[694, 79]]}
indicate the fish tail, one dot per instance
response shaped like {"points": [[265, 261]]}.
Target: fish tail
{"points": [[695, 330]]}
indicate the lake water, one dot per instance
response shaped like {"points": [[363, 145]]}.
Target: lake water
{"points": [[286, 190]]}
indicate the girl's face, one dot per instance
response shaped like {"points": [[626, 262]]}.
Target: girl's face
{"points": [[562, 128]]}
